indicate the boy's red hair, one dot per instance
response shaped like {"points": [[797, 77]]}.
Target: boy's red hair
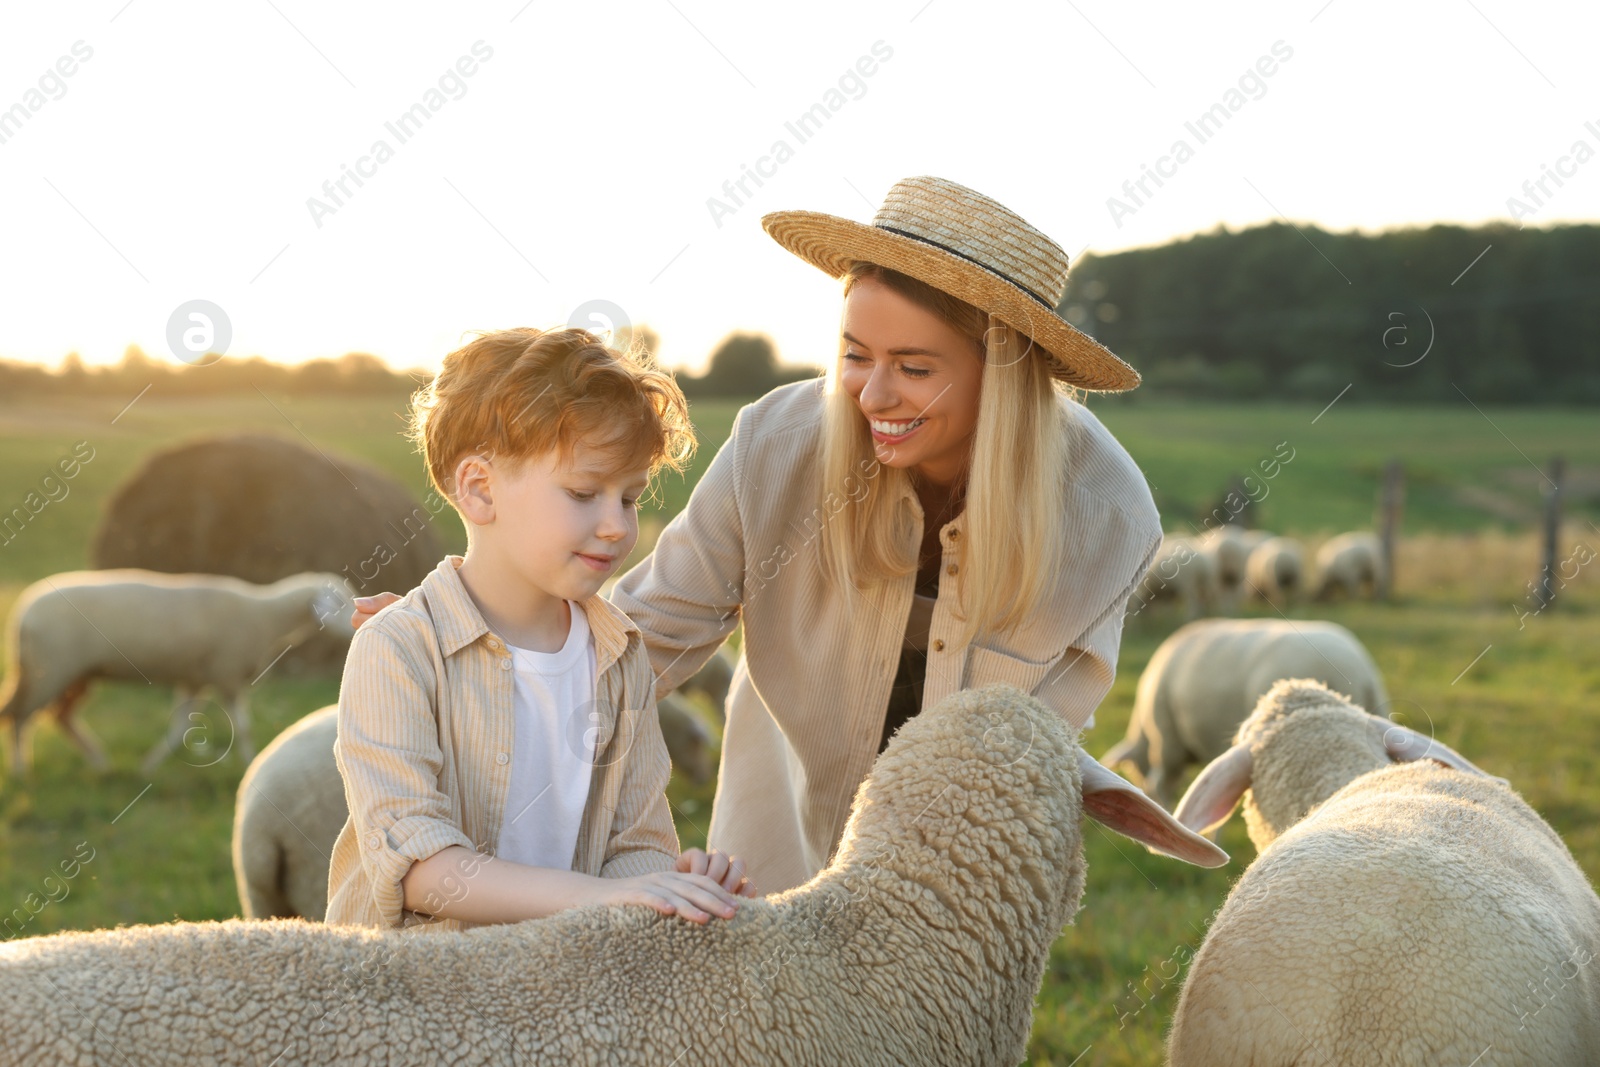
{"points": [[521, 392]]}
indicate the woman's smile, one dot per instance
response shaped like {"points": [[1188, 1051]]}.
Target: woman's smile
{"points": [[893, 432]]}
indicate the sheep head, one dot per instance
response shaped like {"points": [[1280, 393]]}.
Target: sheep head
{"points": [[332, 601], [976, 805], [1302, 743]]}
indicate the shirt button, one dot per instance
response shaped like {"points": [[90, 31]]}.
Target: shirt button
{"points": [[502, 759], [374, 840], [938, 645], [952, 568], [505, 664], [955, 535]]}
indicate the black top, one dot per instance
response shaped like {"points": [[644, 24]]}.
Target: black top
{"points": [[905, 696]]}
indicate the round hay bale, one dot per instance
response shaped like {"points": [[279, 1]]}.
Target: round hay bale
{"points": [[262, 507]]}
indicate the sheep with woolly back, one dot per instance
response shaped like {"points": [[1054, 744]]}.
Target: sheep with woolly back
{"points": [[1229, 552], [291, 807], [1182, 572], [261, 507], [1351, 564], [286, 818], [1276, 570], [1204, 679], [925, 940], [191, 630], [1251, 538], [1405, 908]]}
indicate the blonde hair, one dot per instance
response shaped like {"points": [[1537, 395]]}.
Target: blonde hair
{"points": [[524, 391], [1015, 476]]}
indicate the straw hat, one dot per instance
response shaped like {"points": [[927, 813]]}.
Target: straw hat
{"points": [[973, 248]]}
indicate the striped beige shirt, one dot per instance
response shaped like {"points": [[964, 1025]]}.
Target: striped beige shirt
{"points": [[426, 732], [806, 710]]}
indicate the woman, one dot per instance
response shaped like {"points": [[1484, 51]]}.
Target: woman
{"points": [[940, 513]]}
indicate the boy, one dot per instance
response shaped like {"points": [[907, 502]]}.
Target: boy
{"points": [[498, 737]]}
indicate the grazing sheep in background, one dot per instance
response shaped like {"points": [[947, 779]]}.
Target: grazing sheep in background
{"points": [[1251, 538], [924, 940], [291, 807], [191, 630], [261, 507], [289, 812], [1276, 570], [1203, 680], [1229, 552], [1350, 563], [1406, 913], [1181, 572]]}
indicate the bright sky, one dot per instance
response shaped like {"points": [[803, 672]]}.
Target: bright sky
{"points": [[576, 162]]}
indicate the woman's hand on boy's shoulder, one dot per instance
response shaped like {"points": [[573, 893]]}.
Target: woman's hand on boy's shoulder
{"points": [[724, 869], [368, 606]]}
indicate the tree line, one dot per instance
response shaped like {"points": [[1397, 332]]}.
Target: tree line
{"points": [[743, 365], [1500, 314]]}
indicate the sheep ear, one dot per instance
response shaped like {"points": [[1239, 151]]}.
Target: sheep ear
{"points": [[1405, 745], [332, 606], [1216, 789], [1114, 802]]}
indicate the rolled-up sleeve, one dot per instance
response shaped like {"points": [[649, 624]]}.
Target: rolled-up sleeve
{"points": [[1079, 682], [389, 757], [686, 595], [643, 838]]}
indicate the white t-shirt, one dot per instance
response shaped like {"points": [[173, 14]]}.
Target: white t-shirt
{"points": [[553, 757]]}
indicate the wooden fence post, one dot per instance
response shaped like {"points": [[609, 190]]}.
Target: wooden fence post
{"points": [[1544, 592], [1391, 500]]}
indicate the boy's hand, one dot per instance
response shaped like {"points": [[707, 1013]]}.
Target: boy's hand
{"points": [[690, 896], [720, 867], [368, 606]]}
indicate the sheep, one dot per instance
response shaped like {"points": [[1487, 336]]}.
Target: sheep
{"points": [[1252, 538], [1351, 563], [1182, 572], [924, 940], [1398, 913], [1229, 552], [192, 630], [1275, 570], [262, 507], [291, 807], [1203, 680], [288, 814]]}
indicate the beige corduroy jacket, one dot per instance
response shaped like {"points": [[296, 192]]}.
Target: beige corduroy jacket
{"points": [[806, 709], [426, 732]]}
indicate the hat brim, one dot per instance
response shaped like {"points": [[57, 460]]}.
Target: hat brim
{"points": [[832, 244]]}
